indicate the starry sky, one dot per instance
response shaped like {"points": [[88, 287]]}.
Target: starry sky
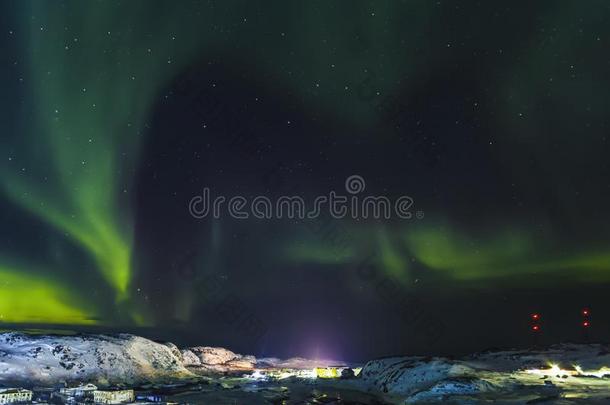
{"points": [[491, 116]]}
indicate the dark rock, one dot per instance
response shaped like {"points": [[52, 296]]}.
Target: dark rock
{"points": [[347, 373]]}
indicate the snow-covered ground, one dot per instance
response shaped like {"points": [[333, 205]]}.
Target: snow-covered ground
{"points": [[562, 374]]}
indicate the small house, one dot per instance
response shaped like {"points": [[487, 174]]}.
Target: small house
{"points": [[80, 391], [15, 395], [113, 397], [329, 372]]}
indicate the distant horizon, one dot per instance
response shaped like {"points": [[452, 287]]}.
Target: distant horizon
{"points": [[147, 333]]}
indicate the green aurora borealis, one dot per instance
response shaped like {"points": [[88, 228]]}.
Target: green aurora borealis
{"points": [[88, 131], [525, 88]]}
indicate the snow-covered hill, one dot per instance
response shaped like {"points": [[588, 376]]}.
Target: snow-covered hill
{"points": [[522, 375], [104, 360], [407, 375]]}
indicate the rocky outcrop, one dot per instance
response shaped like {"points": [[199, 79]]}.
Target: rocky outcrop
{"points": [[217, 359], [407, 375], [213, 355], [190, 359]]}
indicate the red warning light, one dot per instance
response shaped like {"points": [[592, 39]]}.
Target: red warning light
{"points": [[586, 324], [585, 312], [536, 316], [535, 328]]}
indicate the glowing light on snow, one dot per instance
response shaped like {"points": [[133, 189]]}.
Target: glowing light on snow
{"points": [[281, 374], [554, 371], [599, 373], [296, 373], [257, 375]]}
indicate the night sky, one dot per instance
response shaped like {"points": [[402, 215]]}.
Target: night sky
{"points": [[491, 116]]}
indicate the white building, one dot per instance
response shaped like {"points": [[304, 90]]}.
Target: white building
{"points": [[80, 391], [113, 397], [14, 395]]}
